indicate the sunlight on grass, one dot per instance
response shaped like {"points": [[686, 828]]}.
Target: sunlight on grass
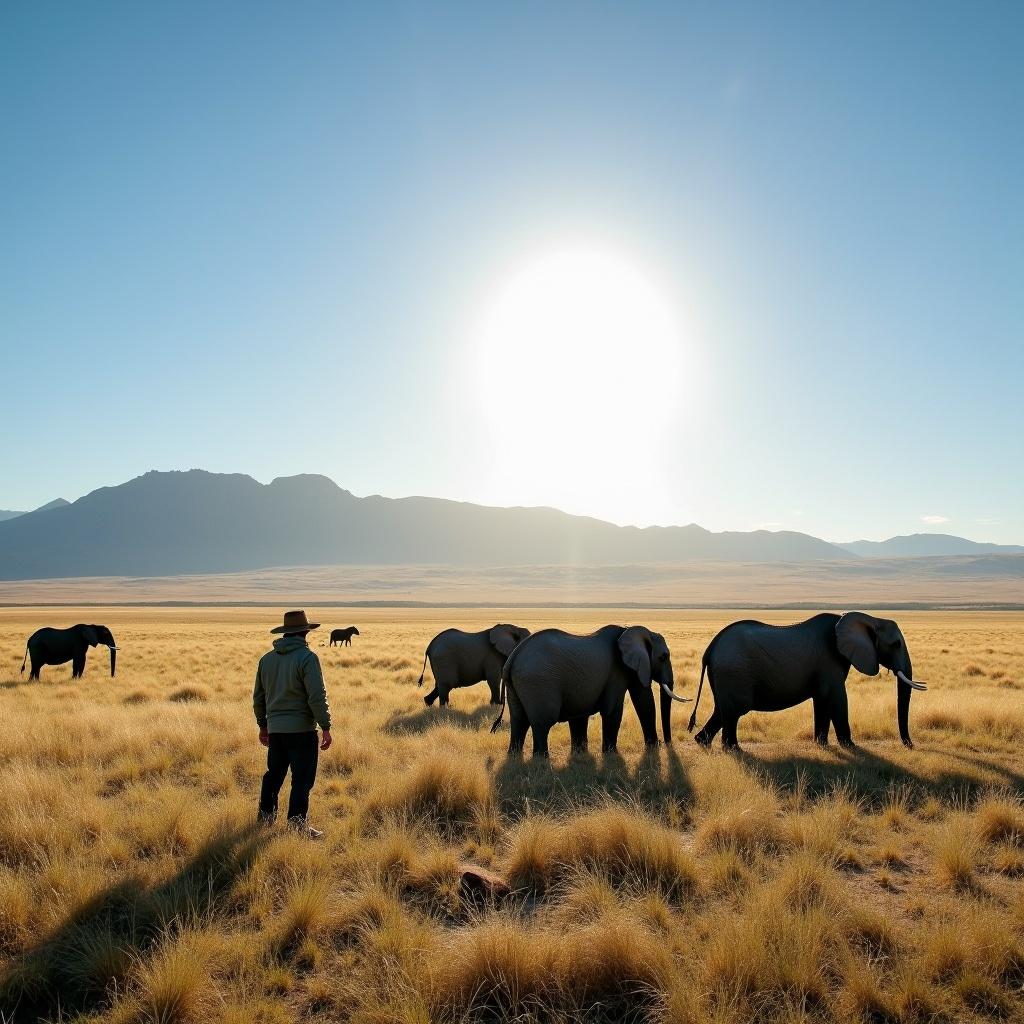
{"points": [[787, 883]]}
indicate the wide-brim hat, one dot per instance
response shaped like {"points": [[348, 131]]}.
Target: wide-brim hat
{"points": [[295, 622]]}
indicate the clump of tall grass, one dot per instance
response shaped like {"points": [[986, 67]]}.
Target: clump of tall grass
{"points": [[174, 982], [618, 843], [503, 970], [443, 790], [956, 853], [1000, 819], [189, 692]]}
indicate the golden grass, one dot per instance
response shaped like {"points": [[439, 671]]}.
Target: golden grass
{"points": [[787, 883]]}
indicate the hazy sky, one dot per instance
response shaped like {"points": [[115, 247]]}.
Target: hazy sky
{"points": [[733, 264]]}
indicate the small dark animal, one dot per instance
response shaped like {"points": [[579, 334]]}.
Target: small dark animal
{"points": [[59, 646], [343, 636]]}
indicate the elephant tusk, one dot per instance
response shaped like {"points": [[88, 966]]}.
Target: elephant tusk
{"points": [[682, 700], [910, 682]]}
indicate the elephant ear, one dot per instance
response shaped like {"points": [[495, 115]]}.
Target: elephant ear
{"points": [[503, 640], [855, 637], [90, 636], [634, 644]]}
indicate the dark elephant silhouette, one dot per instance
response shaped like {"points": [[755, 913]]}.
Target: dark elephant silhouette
{"points": [[48, 646], [752, 666]]}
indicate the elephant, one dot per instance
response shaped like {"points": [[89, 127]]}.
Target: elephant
{"points": [[343, 636], [58, 646], [460, 659], [556, 676], [752, 666]]}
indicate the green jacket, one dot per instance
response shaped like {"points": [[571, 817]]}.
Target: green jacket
{"points": [[290, 695]]}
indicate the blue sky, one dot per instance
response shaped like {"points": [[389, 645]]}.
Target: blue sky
{"points": [[259, 238]]}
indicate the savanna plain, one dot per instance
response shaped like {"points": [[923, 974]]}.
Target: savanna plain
{"points": [[785, 883]]}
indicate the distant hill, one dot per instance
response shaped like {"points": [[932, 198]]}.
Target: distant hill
{"points": [[56, 503], [163, 524], [922, 545]]}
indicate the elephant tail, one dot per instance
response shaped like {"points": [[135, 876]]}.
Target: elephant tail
{"points": [[25, 658], [502, 694], [423, 672], [693, 717]]}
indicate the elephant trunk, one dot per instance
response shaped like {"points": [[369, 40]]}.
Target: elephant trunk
{"points": [[905, 684], [903, 712], [666, 714], [113, 660]]}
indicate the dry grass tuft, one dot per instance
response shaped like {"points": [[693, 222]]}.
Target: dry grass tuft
{"points": [[189, 692], [443, 791], [503, 970], [175, 983], [956, 853], [620, 844], [1000, 820]]}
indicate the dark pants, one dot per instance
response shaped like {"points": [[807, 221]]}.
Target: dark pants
{"points": [[298, 751]]}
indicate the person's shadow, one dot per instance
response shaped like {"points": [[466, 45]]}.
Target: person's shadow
{"points": [[59, 977]]}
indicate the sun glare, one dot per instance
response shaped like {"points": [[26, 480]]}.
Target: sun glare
{"points": [[579, 366]]}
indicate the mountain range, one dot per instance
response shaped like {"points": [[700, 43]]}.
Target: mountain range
{"points": [[6, 513], [172, 523], [927, 545]]}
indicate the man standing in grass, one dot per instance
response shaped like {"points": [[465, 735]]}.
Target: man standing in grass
{"points": [[290, 701]]}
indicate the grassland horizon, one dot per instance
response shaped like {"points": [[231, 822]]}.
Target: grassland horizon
{"points": [[958, 582]]}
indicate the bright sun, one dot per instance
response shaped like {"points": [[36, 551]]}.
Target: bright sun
{"points": [[579, 365]]}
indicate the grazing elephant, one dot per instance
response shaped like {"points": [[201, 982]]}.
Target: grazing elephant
{"points": [[755, 667], [462, 659], [343, 636], [58, 646], [560, 677]]}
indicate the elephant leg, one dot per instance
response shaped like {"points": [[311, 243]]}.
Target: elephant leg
{"points": [[540, 739], [610, 722], [78, 666], [495, 687], [431, 697], [822, 720], [36, 666], [442, 693], [519, 724], [710, 730], [841, 719], [578, 732], [729, 723]]}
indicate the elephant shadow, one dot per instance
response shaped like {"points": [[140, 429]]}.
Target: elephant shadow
{"points": [[869, 775], [130, 915], [588, 780], [425, 719]]}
